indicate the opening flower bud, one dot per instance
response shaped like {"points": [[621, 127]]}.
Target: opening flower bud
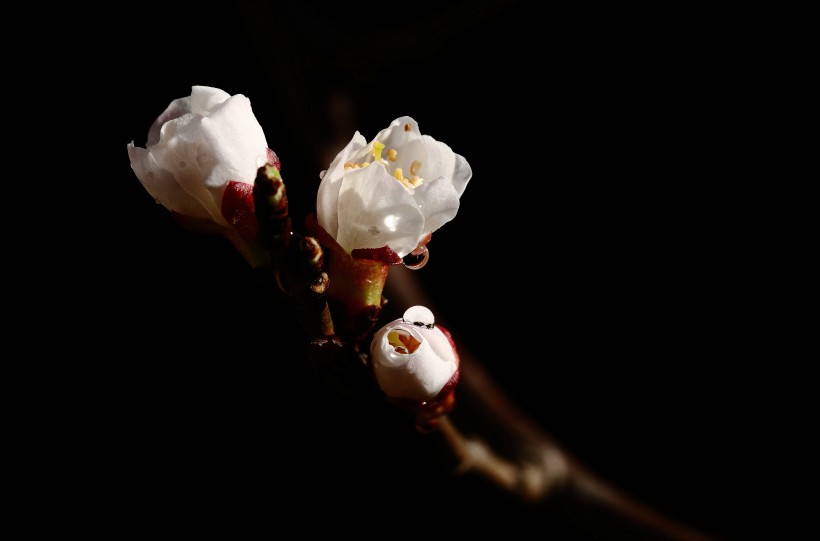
{"points": [[413, 360]]}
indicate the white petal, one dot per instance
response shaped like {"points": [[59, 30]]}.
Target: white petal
{"points": [[204, 99], [435, 159], [184, 153], [177, 108], [461, 174], [438, 202], [162, 185], [397, 135], [442, 347], [414, 151], [232, 146], [375, 210], [327, 200], [237, 142], [441, 161]]}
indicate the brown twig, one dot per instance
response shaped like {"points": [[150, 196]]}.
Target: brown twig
{"points": [[488, 436], [297, 260]]}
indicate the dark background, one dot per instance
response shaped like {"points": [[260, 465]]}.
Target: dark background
{"points": [[592, 267]]}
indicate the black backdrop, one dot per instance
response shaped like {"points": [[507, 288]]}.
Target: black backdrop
{"points": [[589, 267]]}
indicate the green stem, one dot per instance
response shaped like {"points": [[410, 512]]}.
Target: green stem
{"points": [[355, 292]]}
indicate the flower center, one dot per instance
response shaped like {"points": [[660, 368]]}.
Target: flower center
{"points": [[398, 173], [402, 341]]}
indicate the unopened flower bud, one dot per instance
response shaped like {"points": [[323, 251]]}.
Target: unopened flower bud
{"points": [[413, 359]]}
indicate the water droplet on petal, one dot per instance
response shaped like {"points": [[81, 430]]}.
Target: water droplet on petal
{"points": [[417, 260], [420, 316]]}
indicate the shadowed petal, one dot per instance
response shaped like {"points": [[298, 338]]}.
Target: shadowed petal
{"points": [[327, 200], [438, 202], [178, 107], [162, 185]]}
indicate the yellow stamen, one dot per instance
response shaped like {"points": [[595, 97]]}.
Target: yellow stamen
{"points": [[414, 167], [398, 173], [416, 181], [393, 339], [377, 150], [402, 341], [354, 165], [392, 154]]}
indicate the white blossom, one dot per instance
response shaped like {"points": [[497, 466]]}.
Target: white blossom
{"points": [[413, 360], [393, 191]]}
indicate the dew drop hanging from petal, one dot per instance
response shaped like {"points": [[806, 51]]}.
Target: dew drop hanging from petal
{"points": [[417, 259]]}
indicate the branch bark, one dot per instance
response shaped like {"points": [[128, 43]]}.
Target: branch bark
{"points": [[488, 436]]}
